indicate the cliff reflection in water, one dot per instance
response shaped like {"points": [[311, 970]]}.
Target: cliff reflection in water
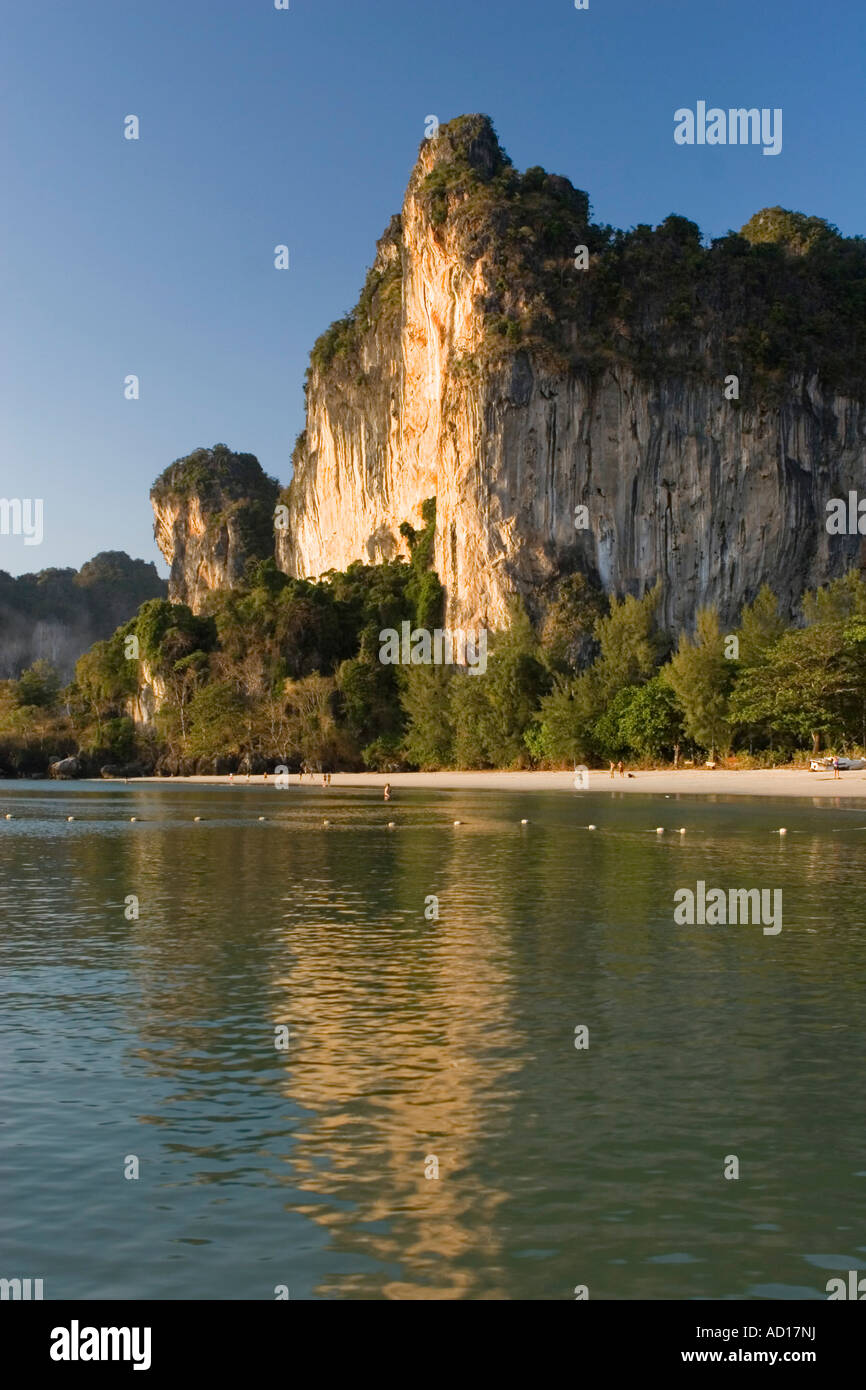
{"points": [[413, 1038]]}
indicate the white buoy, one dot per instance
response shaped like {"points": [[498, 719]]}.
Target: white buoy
{"points": [[392, 825], [70, 818], [682, 830], [326, 822], [524, 822], [196, 817], [590, 827], [458, 822], [660, 830], [133, 819], [783, 831], [8, 817], [262, 817]]}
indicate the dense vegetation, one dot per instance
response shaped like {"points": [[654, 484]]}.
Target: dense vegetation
{"points": [[284, 671], [274, 668], [785, 295], [57, 614]]}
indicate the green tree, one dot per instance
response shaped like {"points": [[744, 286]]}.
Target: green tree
{"points": [[470, 717], [514, 682], [168, 631], [629, 643], [369, 693], [38, 685], [566, 720], [794, 230], [843, 598], [425, 697], [185, 678], [424, 591], [313, 731], [652, 723], [216, 721], [104, 680], [812, 686], [115, 740], [567, 635], [609, 734], [761, 626], [701, 678]]}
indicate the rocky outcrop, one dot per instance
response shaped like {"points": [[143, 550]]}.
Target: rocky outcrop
{"points": [[150, 696], [57, 614], [66, 769], [213, 514], [484, 368]]}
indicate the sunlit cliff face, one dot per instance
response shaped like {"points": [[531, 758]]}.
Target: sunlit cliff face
{"points": [[537, 472], [202, 557]]}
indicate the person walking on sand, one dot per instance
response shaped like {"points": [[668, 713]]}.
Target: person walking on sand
{"points": [[835, 769], [612, 769], [387, 796], [621, 768]]}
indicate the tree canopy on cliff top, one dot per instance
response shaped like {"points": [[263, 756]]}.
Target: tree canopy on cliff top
{"points": [[785, 296]]}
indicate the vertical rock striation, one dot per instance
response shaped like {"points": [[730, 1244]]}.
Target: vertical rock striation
{"points": [[482, 367]]}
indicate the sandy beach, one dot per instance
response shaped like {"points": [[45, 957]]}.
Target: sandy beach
{"points": [[786, 782]]}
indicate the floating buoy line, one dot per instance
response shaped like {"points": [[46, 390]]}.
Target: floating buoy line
{"points": [[659, 830]]}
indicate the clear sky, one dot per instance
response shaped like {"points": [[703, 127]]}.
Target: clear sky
{"points": [[260, 127]]}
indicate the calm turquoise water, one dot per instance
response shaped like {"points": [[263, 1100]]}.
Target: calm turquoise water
{"points": [[412, 1038]]}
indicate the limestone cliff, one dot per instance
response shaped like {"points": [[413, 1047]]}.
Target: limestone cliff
{"points": [[485, 366], [213, 513]]}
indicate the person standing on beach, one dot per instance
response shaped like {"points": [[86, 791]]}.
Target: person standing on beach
{"points": [[621, 768], [835, 769], [612, 769]]}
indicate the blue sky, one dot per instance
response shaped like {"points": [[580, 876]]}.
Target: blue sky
{"points": [[260, 127]]}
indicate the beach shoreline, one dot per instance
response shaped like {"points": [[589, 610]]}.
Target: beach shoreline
{"points": [[778, 782]]}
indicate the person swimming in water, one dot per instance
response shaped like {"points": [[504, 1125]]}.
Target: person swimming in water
{"points": [[387, 796]]}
